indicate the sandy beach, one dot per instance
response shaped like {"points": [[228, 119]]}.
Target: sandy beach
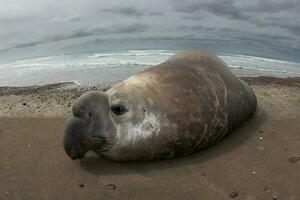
{"points": [[260, 160]]}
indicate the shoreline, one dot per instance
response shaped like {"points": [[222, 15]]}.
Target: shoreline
{"points": [[6, 89], [55, 100]]}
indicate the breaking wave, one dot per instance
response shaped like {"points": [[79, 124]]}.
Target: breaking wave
{"points": [[98, 68]]}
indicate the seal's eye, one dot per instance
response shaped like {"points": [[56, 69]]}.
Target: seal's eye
{"points": [[118, 109]]}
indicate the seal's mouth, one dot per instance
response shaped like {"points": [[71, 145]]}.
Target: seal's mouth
{"points": [[76, 155], [79, 139], [102, 144]]}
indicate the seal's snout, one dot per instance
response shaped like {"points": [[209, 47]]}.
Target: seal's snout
{"points": [[73, 148], [88, 103], [89, 113], [75, 155], [73, 134]]}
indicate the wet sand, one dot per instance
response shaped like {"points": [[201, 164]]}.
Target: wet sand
{"points": [[260, 160]]}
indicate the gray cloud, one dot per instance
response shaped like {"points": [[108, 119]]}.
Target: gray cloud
{"points": [[294, 29], [194, 17], [132, 11], [136, 28], [197, 28], [72, 18], [267, 15], [269, 24], [264, 41], [267, 6], [289, 24], [55, 38], [156, 13], [127, 29], [127, 11], [226, 8], [26, 44]]}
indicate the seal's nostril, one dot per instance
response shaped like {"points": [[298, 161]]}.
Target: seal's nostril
{"points": [[76, 155], [98, 140], [72, 154], [81, 113], [77, 112]]}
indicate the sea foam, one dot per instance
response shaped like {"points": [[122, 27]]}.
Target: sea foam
{"points": [[98, 68]]}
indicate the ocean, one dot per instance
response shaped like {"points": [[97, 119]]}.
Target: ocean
{"points": [[104, 67]]}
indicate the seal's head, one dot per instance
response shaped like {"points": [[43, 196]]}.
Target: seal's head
{"points": [[89, 127], [114, 124]]}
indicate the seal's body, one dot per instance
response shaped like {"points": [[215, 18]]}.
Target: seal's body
{"points": [[189, 102]]}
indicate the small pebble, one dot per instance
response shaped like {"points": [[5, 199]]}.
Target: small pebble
{"points": [[294, 159], [81, 185], [110, 186], [261, 138], [275, 197], [24, 104], [233, 194]]}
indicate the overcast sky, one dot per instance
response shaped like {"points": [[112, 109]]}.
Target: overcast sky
{"points": [[266, 27]]}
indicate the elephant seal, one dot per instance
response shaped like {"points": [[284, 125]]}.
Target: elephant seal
{"points": [[188, 102]]}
